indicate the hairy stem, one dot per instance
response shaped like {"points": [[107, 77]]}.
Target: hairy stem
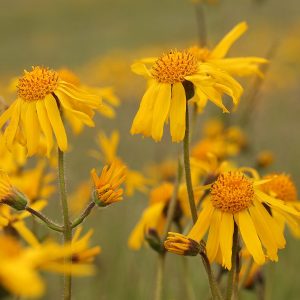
{"points": [[45, 219], [67, 232], [84, 215]]}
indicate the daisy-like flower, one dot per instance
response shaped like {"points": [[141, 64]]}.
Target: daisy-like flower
{"points": [[43, 97], [172, 80], [9, 194], [235, 198], [282, 187], [107, 185], [109, 99]]}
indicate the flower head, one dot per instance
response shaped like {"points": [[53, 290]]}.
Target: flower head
{"points": [[235, 198], [43, 99], [180, 244], [107, 185], [173, 79], [10, 195]]}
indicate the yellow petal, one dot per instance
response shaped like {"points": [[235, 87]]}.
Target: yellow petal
{"points": [[250, 237], [224, 45], [226, 235], [161, 110], [177, 112], [26, 234], [213, 240], [12, 128], [202, 224], [45, 124], [32, 129], [56, 122]]}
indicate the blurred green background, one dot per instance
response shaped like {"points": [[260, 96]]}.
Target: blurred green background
{"points": [[78, 33]]}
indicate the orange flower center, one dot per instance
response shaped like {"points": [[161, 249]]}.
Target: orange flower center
{"points": [[174, 66], [281, 186], [232, 192], [37, 84]]}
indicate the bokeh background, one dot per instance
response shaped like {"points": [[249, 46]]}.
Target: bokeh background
{"points": [[99, 40]]}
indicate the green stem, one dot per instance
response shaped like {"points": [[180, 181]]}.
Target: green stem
{"points": [[232, 276], [159, 276], [45, 219], [215, 291], [67, 232], [84, 215], [187, 167]]}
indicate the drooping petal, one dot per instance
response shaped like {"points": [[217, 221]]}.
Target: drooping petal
{"points": [[250, 237], [213, 240], [32, 129], [177, 112], [56, 122], [45, 124], [226, 236], [161, 110], [202, 224]]}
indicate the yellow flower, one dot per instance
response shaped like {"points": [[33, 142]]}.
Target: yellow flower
{"points": [[10, 195], [172, 80], [43, 97], [107, 185], [109, 99], [236, 199], [108, 153], [282, 187], [87, 254]]}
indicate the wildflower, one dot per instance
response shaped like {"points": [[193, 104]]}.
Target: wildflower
{"points": [[173, 79], [109, 99], [236, 199], [10, 195], [282, 187], [179, 244], [107, 185], [108, 145], [43, 97]]}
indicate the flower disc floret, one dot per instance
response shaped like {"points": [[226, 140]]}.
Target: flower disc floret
{"points": [[281, 187], [37, 84], [232, 192], [174, 66]]}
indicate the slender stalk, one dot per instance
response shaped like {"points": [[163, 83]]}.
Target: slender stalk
{"points": [[84, 215], [45, 219], [215, 291], [159, 276], [67, 232], [232, 276], [200, 16], [187, 167]]}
